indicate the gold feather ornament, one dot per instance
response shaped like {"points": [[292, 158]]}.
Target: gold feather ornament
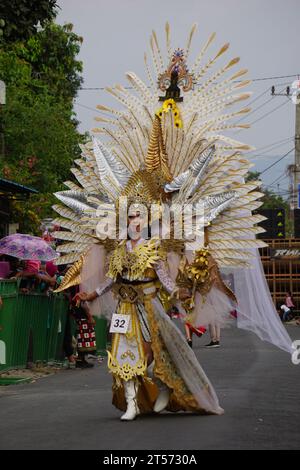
{"points": [[72, 276]]}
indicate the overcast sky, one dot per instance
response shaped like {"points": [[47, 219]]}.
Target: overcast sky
{"points": [[264, 33]]}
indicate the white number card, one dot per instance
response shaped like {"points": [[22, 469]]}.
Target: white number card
{"points": [[119, 323]]}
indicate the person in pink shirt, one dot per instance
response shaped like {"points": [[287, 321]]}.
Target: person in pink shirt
{"points": [[32, 266], [289, 302], [28, 275]]}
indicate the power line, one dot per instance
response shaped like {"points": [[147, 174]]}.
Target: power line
{"points": [[95, 110], [260, 106], [281, 177], [274, 78], [87, 107], [257, 108], [268, 113], [277, 144], [235, 81], [253, 101], [277, 161]]}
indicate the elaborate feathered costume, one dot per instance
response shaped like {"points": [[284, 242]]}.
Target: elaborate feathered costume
{"points": [[184, 146], [170, 151]]}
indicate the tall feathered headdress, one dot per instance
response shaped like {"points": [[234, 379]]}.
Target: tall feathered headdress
{"points": [[168, 143]]}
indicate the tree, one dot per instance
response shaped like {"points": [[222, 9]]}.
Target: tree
{"points": [[271, 200], [52, 53], [20, 19], [42, 76], [41, 140]]}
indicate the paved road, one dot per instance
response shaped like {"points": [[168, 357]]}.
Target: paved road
{"points": [[257, 385]]}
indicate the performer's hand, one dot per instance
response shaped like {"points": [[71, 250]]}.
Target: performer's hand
{"points": [[184, 293], [81, 296], [86, 297]]}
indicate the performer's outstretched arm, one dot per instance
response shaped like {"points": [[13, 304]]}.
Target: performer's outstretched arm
{"points": [[102, 289]]}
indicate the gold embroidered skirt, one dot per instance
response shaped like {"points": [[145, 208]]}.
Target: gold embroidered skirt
{"points": [[128, 361]]}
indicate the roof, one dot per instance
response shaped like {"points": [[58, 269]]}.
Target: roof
{"points": [[8, 186]]}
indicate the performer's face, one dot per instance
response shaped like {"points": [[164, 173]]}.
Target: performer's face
{"points": [[136, 223]]}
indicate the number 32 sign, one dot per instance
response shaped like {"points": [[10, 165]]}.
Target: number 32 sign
{"points": [[119, 323]]}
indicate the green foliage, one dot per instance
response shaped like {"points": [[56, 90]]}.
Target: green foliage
{"points": [[41, 139], [19, 19], [52, 53], [28, 214], [252, 176], [42, 77], [271, 200]]}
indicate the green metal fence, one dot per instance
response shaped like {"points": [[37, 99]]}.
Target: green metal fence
{"points": [[10, 334], [101, 334], [32, 327]]}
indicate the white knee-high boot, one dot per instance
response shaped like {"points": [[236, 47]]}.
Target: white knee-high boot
{"points": [[164, 392], [131, 388]]}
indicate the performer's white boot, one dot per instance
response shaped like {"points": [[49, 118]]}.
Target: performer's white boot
{"points": [[130, 388], [164, 392]]}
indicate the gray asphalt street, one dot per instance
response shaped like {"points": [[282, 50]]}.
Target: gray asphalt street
{"points": [[257, 384]]}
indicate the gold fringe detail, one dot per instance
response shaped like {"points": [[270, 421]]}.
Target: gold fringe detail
{"points": [[136, 262], [126, 371], [157, 158]]}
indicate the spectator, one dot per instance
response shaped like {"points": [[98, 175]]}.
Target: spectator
{"points": [[14, 266], [85, 331], [190, 329], [51, 268], [289, 301], [4, 269], [286, 312], [215, 335], [49, 277]]}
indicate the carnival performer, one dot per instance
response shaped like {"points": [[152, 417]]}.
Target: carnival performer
{"points": [[168, 171], [152, 347]]}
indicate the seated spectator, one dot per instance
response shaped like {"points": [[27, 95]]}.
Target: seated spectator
{"points": [[286, 313]]}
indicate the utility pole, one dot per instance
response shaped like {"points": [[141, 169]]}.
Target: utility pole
{"points": [[294, 196]]}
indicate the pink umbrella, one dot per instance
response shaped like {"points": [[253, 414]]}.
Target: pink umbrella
{"points": [[27, 247]]}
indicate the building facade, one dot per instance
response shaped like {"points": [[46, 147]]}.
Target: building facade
{"points": [[281, 262]]}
